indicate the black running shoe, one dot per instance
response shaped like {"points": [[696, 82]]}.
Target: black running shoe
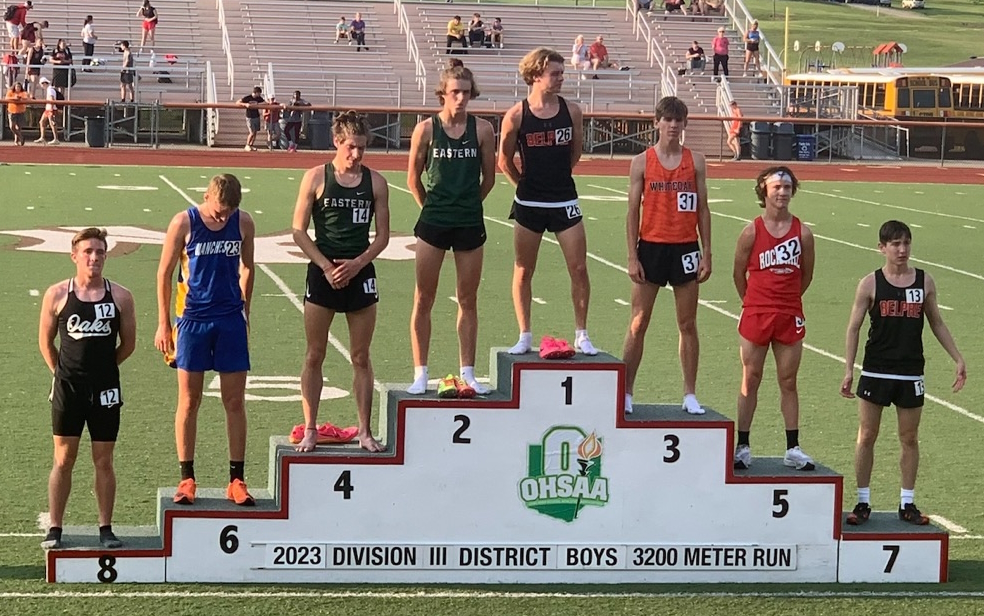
{"points": [[53, 540], [860, 515], [910, 514], [109, 540]]}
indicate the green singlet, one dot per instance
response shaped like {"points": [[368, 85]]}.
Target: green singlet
{"points": [[342, 216], [454, 171]]}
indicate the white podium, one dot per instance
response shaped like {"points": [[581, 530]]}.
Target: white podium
{"points": [[543, 481]]}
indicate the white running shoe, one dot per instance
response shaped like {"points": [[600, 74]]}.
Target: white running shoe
{"points": [[797, 458], [419, 386], [480, 388], [584, 345], [691, 405], [521, 347], [54, 142], [41, 140], [628, 404], [743, 457]]}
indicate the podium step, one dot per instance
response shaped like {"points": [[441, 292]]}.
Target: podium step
{"points": [[886, 549]]}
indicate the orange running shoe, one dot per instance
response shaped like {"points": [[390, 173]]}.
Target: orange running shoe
{"points": [[237, 493], [185, 495], [464, 389]]}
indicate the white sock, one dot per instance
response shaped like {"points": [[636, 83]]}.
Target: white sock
{"points": [[628, 403], [583, 343], [864, 495], [691, 405], [525, 344], [468, 376], [419, 385], [908, 496]]}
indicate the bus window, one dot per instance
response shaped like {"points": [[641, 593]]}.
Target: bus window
{"points": [[903, 98], [924, 99], [945, 96], [879, 101]]}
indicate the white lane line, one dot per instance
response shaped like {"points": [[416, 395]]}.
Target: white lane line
{"points": [[537, 300], [486, 594], [861, 224], [969, 227], [34, 292], [894, 207], [621, 302], [22, 534], [290, 295], [953, 527], [453, 298], [942, 307]]}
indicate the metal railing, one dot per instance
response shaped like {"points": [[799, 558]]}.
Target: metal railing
{"points": [[269, 84], [227, 49], [211, 114], [413, 51]]}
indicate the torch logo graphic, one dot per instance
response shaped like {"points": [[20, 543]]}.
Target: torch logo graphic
{"points": [[565, 474]]}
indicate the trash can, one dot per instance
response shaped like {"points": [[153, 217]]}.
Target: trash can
{"points": [[318, 130], [782, 141], [761, 140], [806, 147], [95, 131]]}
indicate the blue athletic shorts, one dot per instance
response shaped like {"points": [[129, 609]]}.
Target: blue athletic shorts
{"points": [[221, 344]]}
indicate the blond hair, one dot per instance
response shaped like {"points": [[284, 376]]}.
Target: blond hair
{"points": [[226, 189], [90, 233], [534, 64], [350, 124]]}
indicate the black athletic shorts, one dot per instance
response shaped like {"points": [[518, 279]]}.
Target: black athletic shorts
{"points": [[886, 392], [359, 293], [75, 404], [451, 238], [540, 219], [673, 264]]}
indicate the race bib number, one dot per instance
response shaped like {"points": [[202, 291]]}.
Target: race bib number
{"points": [[369, 286], [573, 211], [920, 385], [687, 202], [360, 215], [109, 397], [563, 135], [105, 311], [690, 261], [914, 296]]}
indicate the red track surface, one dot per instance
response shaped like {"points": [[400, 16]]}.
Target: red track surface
{"points": [[930, 173]]}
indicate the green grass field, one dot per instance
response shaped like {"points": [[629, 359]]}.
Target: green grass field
{"points": [[39, 200]]}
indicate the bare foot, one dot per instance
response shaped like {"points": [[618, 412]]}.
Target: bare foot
{"points": [[309, 442], [370, 444]]}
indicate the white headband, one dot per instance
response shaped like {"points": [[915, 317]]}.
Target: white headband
{"points": [[779, 176]]}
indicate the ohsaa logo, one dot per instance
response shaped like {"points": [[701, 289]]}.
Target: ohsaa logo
{"points": [[564, 474]]}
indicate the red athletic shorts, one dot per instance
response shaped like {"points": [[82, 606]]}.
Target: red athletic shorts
{"points": [[765, 327], [149, 25]]}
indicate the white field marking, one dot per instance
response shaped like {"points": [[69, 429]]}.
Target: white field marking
{"points": [[290, 178], [13, 535], [915, 226], [969, 227], [621, 302], [970, 537], [488, 594], [894, 207], [116, 175], [30, 207], [27, 173], [942, 307], [537, 300], [878, 192], [861, 224], [837, 190], [71, 173], [919, 192], [716, 301], [246, 177], [257, 211], [960, 193], [277, 280], [622, 192], [202, 189], [809, 224], [34, 292], [44, 520], [809, 347], [453, 298], [592, 218], [88, 209], [953, 527], [272, 295], [501, 183], [203, 177], [136, 188], [146, 209]]}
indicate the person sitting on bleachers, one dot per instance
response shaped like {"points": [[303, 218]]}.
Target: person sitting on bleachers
{"points": [[674, 6], [713, 7], [476, 31], [598, 54], [695, 57], [342, 30], [357, 32], [456, 34], [697, 7], [580, 57], [495, 33], [644, 5]]}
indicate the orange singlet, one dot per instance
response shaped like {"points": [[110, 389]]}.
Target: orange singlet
{"points": [[669, 201]]}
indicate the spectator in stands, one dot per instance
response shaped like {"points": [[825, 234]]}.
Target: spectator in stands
{"points": [[89, 39], [342, 30], [293, 118], [476, 31], [61, 60], [149, 26], [644, 5], [495, 32], [752, 39], [16, 23], [50, 113], [697, 7], [453, 62], [252, 115], [720, 47], [271, 118], [713, 7], [674, 6], [15, 111], [357, 32], [11, 68], [598, 54], [35, 58], [32, 33], [128, 73], [456, 33], [579, 54], [734, 131], [696, 59]]}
